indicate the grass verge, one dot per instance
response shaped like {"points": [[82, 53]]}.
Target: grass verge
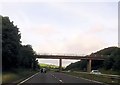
{"points": [[16, 75], [100, 78], [109, 72]]}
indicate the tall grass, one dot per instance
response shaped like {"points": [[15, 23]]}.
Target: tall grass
{"points": [[16, 75]]}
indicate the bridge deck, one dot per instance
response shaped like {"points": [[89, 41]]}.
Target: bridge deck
{"points": [[98, 57]]}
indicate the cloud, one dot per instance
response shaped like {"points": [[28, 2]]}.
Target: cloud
{"points": [[84, 44], [97, 28], [47, 37], [44, 30], [66, 28], [50, 47], [75, 44]]}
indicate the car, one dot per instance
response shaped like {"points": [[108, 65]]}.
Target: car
{"points": [[43, 70], [95, 72]]}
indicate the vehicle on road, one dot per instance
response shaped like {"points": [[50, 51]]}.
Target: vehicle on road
{"points": [[43, 70], [95, 72]]}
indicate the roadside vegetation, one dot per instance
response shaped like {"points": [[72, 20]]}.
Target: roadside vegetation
{"points": [[48, 66], [112, 72], [17, 75], [15, 56], [51, 68], [111, 65], [105, 79]]}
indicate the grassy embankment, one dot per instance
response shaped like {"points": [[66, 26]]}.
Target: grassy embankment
{"points": [[52, 68], [101, 78], [16, 75], [47, 66]]}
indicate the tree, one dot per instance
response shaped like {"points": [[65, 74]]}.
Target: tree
{"points": [[80, 65], [28, 57], [116, 65], [10, 43], [96, 64], [108, 63], [113, 62], [14, 54], [83, 65]]}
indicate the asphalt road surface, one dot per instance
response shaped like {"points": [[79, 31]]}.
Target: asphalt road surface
{"points": [[52, 77]]}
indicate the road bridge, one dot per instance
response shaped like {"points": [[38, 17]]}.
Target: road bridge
{"points": [[77, 57]]}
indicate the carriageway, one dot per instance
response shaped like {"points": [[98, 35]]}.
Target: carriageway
{"points": [[77, 57]]}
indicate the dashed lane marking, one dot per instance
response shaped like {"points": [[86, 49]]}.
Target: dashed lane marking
{"points": [[57, 78], [61, 81]]}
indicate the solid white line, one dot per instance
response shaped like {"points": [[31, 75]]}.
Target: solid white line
{"points": [[86, 79], [91, 80], [27, 79]]}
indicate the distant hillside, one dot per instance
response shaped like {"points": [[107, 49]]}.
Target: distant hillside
{"points": [[109, 51], [113, 62]]}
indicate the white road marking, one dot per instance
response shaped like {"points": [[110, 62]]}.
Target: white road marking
{"points": [[27, 79], [91, 80], [57, 78], [87, 79], [61, 81]]}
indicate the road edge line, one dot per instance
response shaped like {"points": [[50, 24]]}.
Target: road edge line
{"points": [[27, 79], [88, 79]]}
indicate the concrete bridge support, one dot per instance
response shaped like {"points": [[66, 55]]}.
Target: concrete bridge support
{"points": [[60, 65], [89, 65]]}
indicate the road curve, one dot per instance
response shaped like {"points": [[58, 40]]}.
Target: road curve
{"points": [[52, 77]]}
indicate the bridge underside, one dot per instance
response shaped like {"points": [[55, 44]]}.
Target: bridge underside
{"points": [[60, 57]]}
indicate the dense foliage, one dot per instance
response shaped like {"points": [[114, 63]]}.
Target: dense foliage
{"points": [[112, 62], [79, 65], [14, 54]]}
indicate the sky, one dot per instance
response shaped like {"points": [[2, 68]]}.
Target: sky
{"points": [[64, 27]]}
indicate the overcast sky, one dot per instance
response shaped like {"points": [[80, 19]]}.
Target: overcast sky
{"points": [[66, 27]]}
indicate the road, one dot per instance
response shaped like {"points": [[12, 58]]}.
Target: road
{"points": [[52, 77]]}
